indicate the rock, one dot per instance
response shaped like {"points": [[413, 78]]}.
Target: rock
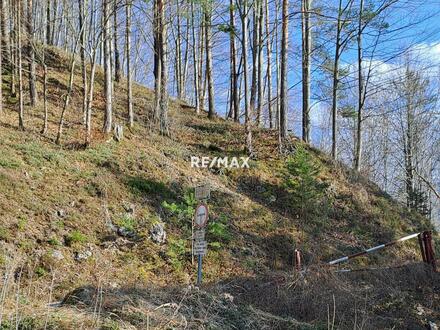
{"points": [[118, 133], [58, 255], [129, 207], [84, 296], [158, 233], [124, 232], [61, 213], [80, 256], [228, 297]]}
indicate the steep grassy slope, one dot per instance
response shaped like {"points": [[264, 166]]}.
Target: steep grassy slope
{"points": [[75, 217]]}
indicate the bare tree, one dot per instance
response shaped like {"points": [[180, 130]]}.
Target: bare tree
{"points": [[244, 12], [115, 40], [208, 43], [361, 98], [20, 65], [160, 67], [283, 74], [31, 53], [306, 58], [128, 9], [107, 67], [195, 61]]}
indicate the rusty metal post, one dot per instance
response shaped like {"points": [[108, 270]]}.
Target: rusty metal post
{"points": [[422, 246], [297, 260], [430, 250]]}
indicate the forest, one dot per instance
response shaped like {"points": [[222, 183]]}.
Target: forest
{"points": [[105, 105]]}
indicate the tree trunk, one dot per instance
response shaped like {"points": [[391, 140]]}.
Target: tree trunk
{"points": [[66, 99], [358, 151], [260, 62], [81, 8], [46, 112], [116, 46], [235, 102], [336, 83], [306, 56], [163, 118], [195, 62], [5, 38], [269, 65], [255, 45], [107, 69], [20, 73], [48, 22], [208, 43], [178, 60], [128, 59], [244, 45], [283, 74], [88, 138], [13, 50], [31, 54]]}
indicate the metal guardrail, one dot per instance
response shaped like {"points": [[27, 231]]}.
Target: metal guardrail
{"points": [[425, 243]]}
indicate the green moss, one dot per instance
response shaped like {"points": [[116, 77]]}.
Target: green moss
{"points": [[37, 155], [76, 237], [127, 222]]}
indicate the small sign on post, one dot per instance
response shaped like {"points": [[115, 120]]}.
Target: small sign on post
{"points": [[200, 246], [202, 192]]}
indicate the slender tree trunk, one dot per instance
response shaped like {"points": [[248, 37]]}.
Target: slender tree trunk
{"points": [[202, 74], [54, 22], [208, 43], [195, 62], [277, 64], [358, 152], [116, 46], [82, 4], [4, 35], [179, 78], [31, 54], [163, 104], [13, 50], [48, 22], [306, 57], [185, 59], [157, 60], [46, 112], [88, 138], [255, 45], [244, 45], [66, 99], [269, 65], [20, 73], [336, 83], [260, 61], [283, 74], [128, 62], [235, 102], [107, 69]]}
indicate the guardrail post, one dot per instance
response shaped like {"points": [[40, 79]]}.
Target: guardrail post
{"points": [[422, 246], [430, 250], [297, 260]]}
